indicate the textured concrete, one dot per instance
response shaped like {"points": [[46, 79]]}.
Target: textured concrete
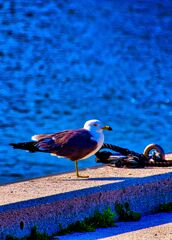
{"points": [[47, 202]]}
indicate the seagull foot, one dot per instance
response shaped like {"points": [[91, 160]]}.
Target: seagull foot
{"points": [[77, 172], [79, 176]]}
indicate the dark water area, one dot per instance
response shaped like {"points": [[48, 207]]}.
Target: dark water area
{"points": [[65, 62]]}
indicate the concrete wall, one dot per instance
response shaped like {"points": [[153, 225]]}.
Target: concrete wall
{"points": [[63, 199]]}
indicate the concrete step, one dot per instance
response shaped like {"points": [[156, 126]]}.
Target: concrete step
{"points": [[151, 227], [63, 199]]}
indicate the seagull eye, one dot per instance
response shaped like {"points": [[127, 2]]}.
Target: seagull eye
{"points": [[95, 124]]}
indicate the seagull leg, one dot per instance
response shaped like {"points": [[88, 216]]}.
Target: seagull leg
{"points": [[77, 171]]}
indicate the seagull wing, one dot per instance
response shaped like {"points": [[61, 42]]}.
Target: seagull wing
{"points": [[41, 136], [72, 144]]}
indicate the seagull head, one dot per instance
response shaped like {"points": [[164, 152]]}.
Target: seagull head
{"points": [[96, 126]]}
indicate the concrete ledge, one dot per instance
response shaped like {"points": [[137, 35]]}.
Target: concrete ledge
{"points": [[47, 202]]}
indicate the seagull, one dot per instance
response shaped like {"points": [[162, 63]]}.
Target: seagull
{"points": [[75, 144]]}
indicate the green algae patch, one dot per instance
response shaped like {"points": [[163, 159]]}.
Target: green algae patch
{"points": [[166, 207], [34, 235], [125, 213], [90, 224]]}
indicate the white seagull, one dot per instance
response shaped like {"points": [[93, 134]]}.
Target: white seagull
{"points": [[72, 144]]}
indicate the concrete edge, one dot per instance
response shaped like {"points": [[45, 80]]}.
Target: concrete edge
{"points": [[143, 195], [84, 192]]}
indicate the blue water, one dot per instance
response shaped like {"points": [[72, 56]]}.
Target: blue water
{"points": [[65, 62]]}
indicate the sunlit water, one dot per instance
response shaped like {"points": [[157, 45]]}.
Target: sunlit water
{"points": [[63, 63]]}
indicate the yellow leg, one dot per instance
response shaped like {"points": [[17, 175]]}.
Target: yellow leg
{"points": [[77, 171]]}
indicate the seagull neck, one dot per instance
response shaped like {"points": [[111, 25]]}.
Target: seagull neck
{"points": [[98, 137], [94, 133]]}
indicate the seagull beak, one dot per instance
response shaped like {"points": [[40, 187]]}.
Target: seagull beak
{"points": [[107, 128]]}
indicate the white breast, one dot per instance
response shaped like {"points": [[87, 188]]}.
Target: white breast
{"points": [[99, 138]]}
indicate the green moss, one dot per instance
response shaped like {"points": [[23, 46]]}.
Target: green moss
{"points": [[105, 219], [166, 207], [125, 213], [34, 235], [89, 224]]}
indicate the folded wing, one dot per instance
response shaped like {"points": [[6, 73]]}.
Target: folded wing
{"points": [[72, 144]]}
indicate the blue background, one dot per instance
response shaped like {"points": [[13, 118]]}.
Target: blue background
{"points": [[65, 62]]}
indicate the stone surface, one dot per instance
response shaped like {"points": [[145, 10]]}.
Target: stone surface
{"points": [[63, 199]]}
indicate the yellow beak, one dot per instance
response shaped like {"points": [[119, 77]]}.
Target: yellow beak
{"points": [[107, 128]]}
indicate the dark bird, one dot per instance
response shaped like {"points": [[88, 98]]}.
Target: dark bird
{"points": [[72, 144]]}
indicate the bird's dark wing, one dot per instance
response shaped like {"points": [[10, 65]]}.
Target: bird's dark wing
{"points": [[72, 144]]}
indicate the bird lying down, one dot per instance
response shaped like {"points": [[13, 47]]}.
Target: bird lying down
{"points": [[72, 144]]}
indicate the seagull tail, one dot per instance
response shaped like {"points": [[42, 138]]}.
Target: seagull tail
{"points": [[29, 146]]}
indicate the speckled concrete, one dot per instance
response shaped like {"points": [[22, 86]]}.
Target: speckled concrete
{"points": [[47, 202]]}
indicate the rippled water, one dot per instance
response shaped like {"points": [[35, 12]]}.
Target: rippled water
{"points": [[63, 63]]}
